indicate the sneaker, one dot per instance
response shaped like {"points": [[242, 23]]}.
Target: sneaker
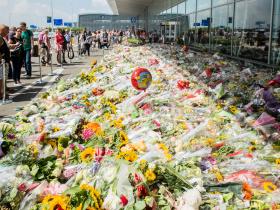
{"points": [[28, 76]]}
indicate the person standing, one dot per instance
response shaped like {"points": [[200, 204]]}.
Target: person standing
{"points": [[59, 42], [4, 54], [17, 54], [28, 43]]}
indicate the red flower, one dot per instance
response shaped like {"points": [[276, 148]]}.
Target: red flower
{"points": [[22, 187], [124, 200], [183, 84], [141, 191]]}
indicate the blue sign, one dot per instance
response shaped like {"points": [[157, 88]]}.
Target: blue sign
{"points": [[68, 24], [58, 22], [204, 23], [133, 19], [49, 19], [196, 24], [33, 26]]}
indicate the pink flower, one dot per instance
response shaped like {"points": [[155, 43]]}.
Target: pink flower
{"points": [[55, 189], [137, 178], [87, 134]]}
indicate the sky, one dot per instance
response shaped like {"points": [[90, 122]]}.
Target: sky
{"points": [[35, 12]]}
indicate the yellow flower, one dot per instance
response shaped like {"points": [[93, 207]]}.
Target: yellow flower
{"points": [[150, 175], [107, 116], [123, 137], [252, 149], [84, 97], [95, 195], [34, 149], [128, 155], [269, 187], [53, 202], [209, 142], [165, 150], [233, 109], [143, 164], [117, 123], [218, 175], [56, 129], [87, 155], [277, 161]]}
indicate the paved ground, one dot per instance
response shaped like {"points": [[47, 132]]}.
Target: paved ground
{"points": [[21, 96]]}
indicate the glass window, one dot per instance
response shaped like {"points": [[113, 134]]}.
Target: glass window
{"points": [[174, 10], [191, 6], [203, 4], [252, 26], [220, 2], [203, 27], [182, 8], [168, 11], [222, 28]]}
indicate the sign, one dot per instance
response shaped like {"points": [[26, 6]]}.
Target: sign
{"points": [[205, 23], [49, 19], [196, 24], [133, 20], [33, 26], [58, 22], [68, 24]]}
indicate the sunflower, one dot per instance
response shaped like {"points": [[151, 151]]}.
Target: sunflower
{"points": [[54, 202], [95, 196], [87, 155], [277, 161], [123, 137], [269, 187], [150, 175], [93, 126]]}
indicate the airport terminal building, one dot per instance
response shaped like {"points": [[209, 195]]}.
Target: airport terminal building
{"points": [[245, 29]]}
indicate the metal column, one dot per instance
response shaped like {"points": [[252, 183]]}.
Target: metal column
{"points": [[271, 31]]}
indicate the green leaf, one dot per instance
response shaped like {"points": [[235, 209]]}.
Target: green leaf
{"points": [[34, 170], [140, 205], [149, 201], [72, 191], [13, 193]]}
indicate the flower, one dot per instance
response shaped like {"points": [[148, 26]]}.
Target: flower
{"points": [[124, 200], [141, 191], [269, 187], [248, 194], [137, 178], [143, 164], [56, 129], [95, 195], [55, 202], [87, 155], [22, 187], [87, 134], [150, 175], [277, 161], [94, 127], [233, 109]]}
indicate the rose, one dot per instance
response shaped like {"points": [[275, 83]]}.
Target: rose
{"points": [[141, 191], [22, 187], [137, 179], [124, 200]]}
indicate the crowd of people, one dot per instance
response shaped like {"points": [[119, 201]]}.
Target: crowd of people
{"points": [[16, 45]]}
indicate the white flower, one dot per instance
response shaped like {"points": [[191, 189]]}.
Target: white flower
{"points": [[190, 200]]}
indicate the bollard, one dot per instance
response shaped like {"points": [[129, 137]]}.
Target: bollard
{"points": [[40, 67], [51, 74], [61, 58], [4, 101]]}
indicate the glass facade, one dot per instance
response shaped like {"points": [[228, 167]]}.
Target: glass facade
{"points": [[95, 22], [247, 29]]}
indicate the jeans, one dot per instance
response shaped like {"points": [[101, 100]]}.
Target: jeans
{"points": [[16, 66], [27, 62]]}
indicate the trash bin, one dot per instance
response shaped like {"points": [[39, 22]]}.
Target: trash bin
{"points": [[35, 51]]}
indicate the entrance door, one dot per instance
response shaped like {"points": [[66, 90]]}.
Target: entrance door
{"points": [[169, 30]]}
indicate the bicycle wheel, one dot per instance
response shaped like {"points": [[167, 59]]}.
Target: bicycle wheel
{"points": [[71, 54]]}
